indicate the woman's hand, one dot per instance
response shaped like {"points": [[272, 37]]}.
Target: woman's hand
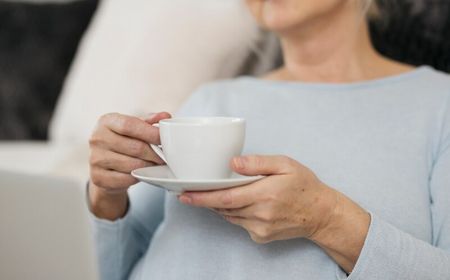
{"points": [[291, 202], [119, 144]]}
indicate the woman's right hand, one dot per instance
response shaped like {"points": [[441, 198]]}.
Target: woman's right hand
{"points": [[119, 144]]}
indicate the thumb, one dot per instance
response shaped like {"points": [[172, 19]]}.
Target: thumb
{"points": [[156, 117], [261, 165]]}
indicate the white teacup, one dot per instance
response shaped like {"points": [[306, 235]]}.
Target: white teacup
{"points": [[201, 148]]}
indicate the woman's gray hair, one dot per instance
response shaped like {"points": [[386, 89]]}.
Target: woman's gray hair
{"points": [[370, 8]]}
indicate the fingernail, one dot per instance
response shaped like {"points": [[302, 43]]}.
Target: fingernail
{"points": [[185, 199], [238, 162]]}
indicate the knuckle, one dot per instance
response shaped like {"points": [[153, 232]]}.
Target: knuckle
{"points": [[137, 164], [227, 197], [97, 179], [106, 118], [258, 161], [95, 140], [230, 219], [119, 123], [265, 215], [91, 161], [262, 232], [124, 125], [116, 184], [127, 181], [103, 119], [98, 160], [269, 197], [94, 159], [258, 239], [137, 148], [154, 136], [287, 161]]}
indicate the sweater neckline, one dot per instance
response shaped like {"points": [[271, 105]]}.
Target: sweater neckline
{"points": [[344, 86]]}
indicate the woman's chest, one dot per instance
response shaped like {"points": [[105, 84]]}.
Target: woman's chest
{"points": [[380, 159]]}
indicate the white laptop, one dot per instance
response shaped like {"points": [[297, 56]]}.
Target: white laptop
{"points": [[44, 230]]}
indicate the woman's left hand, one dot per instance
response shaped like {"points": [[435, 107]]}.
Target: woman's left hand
{"points": [[291, 202]]}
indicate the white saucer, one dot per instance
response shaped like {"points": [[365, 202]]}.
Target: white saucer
{"points": [[161, 176]]}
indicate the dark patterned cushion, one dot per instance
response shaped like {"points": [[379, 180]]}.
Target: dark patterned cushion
{"points": [[37, 44], [414, 31]]}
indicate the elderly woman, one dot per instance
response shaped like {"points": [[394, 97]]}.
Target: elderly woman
{"points": [[355, 146]]}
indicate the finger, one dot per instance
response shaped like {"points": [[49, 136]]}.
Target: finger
{"points": [[239, 221], [244, 212], [248, 224], [153, 118], [262, 165], [132, 127], [258, 231], [110, 140], [237, 197], [262, 212], [106, 159], [110, 180], [264, 191]]}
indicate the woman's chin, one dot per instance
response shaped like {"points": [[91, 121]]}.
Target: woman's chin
{"points": [[278, 26], [277, 21]]}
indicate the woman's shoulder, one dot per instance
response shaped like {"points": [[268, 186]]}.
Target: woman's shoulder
{"points": [[437, 81], [438, 85], [434, 85], [439, 78]]}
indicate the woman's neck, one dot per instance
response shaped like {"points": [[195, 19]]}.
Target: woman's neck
{"points": [[335, 48]]}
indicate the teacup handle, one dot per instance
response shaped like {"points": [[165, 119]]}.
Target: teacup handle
{"points": [[157, 148], [158, 151]]}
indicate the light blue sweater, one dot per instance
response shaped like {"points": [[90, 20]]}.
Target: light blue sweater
{"points": [[384, 143]]}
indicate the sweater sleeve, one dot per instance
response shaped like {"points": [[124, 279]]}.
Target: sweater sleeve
{"points": [[121, 243], [389, 253]]}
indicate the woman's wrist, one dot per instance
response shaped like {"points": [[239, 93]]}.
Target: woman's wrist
{"points": [[107, 205], [344, 233]]}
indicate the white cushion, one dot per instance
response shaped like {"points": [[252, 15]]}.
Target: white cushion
{"points": [[146, 56]]}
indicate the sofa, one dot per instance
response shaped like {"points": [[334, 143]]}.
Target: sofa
{"points": [[64, 64]]}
